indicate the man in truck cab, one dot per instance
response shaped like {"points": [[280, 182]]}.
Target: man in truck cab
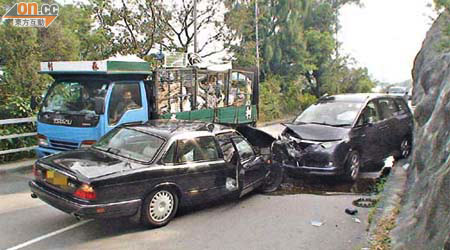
{"points": [[126, 103]]}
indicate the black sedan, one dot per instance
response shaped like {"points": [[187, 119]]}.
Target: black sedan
{"points": [[341, 134], [147, 170]]}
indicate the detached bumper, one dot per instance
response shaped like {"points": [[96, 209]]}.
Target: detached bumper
{"points": [[109, 210]]}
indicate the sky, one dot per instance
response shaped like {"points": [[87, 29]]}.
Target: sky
{"points": [[385, 35]]}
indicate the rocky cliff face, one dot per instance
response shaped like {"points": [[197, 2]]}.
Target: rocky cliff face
{"points": [[424, 221]]}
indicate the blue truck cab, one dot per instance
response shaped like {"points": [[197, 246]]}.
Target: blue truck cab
{"points": [[88, 99]]}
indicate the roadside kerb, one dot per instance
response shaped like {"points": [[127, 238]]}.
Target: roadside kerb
{"points": [[16, 166]]}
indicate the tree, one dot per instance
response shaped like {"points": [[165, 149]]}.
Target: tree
{"points": [[138, 26], [69, 37], [320, 47], [80, 21], [132, 26], [210, 23], [20, 54], [442, 5]]}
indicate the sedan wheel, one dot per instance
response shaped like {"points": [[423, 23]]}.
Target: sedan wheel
{"points": [[273, 179], [159, 208]]}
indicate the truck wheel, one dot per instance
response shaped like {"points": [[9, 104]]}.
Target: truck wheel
{"points": [[352, 166], [159, 207]]}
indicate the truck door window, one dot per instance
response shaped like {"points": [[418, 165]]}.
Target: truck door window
{"points": [[124, 97]]}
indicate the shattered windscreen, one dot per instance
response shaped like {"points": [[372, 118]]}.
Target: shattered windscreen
{"points": [[330, 113]]}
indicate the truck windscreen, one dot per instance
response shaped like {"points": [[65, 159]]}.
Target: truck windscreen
{"points": [[74, 97]]}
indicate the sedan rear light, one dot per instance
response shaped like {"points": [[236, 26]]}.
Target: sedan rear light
{"points": [[42, 140], [87, 143], [85, 192]]}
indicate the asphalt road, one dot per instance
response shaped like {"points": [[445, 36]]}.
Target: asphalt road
{"points": [[253, 222]]}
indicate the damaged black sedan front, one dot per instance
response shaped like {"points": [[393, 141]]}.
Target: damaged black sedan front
{"points": [[341, 134]]}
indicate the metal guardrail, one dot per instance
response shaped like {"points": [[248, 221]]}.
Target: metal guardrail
{"points": [[5, 137]]}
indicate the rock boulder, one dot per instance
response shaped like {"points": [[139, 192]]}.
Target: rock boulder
{"points": [[424, 220]]}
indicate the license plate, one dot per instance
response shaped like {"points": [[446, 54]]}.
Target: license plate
{"points": [[56, 178]]}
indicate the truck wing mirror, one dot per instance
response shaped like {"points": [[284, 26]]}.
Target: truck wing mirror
{"points": [[33, 102], [99, 105]]}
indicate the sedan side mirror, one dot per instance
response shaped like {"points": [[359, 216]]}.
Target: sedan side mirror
{"points": [[99, 105]]}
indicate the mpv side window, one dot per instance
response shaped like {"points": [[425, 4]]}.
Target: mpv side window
{"points": [[199, 149], [370, 114], [387, 108], [402, 106]]}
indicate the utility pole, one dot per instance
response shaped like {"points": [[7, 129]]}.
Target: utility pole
{"points": [[257, 39], [195, 26], [257, 56]]}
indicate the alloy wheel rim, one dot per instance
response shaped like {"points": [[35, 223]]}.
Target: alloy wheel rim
{"points": [[405, 148], [161, 206], [354, 166]]}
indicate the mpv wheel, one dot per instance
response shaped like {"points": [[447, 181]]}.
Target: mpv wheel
{"points": [[159, 208], [352, 166], [405, 149]]}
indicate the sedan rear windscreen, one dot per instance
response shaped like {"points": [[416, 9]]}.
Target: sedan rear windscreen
{"points": [[130, 143]]}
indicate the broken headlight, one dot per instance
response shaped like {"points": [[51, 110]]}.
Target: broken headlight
{"points": [[330, 144]]}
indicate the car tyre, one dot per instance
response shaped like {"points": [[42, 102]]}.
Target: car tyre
{"points": [[159, 207], [404, 149], [352, 166], [273, 180]]}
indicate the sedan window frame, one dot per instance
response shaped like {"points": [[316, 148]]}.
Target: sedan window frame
{"points": [[176, 142]]}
